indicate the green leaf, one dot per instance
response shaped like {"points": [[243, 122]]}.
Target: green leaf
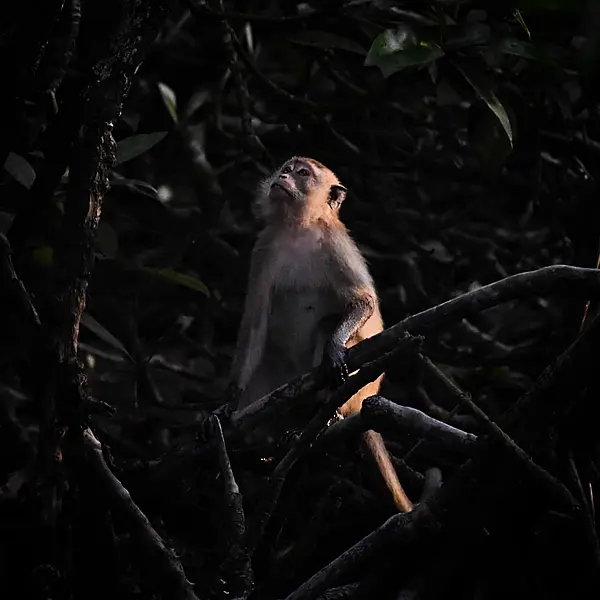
{"points": [[137, 144], [169, 98], [90, 323], [396, 49], [327, 41], [179, 278], [20, 169], [484, 91]]}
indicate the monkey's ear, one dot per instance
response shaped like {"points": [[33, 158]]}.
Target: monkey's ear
{"points": [[337, 194]]}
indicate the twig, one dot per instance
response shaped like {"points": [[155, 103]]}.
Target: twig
{"points": [[11, 281], [235, 568], [583, 495], [252, 141], [552, 485], [343, 592], [464, 422], [271, 87], [167, 570], [398, 531], [313, 110]]}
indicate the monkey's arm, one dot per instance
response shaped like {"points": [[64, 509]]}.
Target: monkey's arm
{"points": [[351, 282], [253, 327], [356, 313]]}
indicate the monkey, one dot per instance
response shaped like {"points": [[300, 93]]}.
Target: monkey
{"points": [[310, 296]]}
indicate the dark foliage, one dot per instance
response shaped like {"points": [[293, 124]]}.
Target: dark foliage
{"points": [[468, 136]]}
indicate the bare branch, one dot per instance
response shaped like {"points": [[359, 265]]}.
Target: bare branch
{"points": [[401, 530], [382, 415], [11, 282], [167, 570], [235, 569], [547, 280]]}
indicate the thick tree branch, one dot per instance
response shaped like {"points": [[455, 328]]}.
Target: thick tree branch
{"points": [[460, 506], [547, 280], [165, 567], [385, 416], [235, 572]]}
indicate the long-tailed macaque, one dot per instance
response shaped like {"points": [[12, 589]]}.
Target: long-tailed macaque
{"points": [[310, 296]]}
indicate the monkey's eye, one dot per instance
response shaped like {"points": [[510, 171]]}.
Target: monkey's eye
{"points": [[286, 169], [303, 172]]}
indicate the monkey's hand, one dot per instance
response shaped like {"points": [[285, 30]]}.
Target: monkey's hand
{"points": [[334, 363]]}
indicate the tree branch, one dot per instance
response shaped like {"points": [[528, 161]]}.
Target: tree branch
{"points": [[382, 415], [166, 569], [460, 506], [547, 280]]}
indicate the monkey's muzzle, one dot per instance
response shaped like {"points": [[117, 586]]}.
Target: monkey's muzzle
{"points": [[280, 191]]}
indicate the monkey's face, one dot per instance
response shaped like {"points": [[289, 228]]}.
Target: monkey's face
{"points": [[302, 188], [294, 182]]}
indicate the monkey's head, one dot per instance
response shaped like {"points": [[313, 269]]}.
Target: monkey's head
{"points": [[301, 188]]}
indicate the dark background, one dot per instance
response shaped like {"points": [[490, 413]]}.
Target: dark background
{"points": [[470, 152]]}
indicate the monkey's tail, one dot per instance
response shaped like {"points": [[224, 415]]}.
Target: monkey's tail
{"points": [[377, 447]]}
